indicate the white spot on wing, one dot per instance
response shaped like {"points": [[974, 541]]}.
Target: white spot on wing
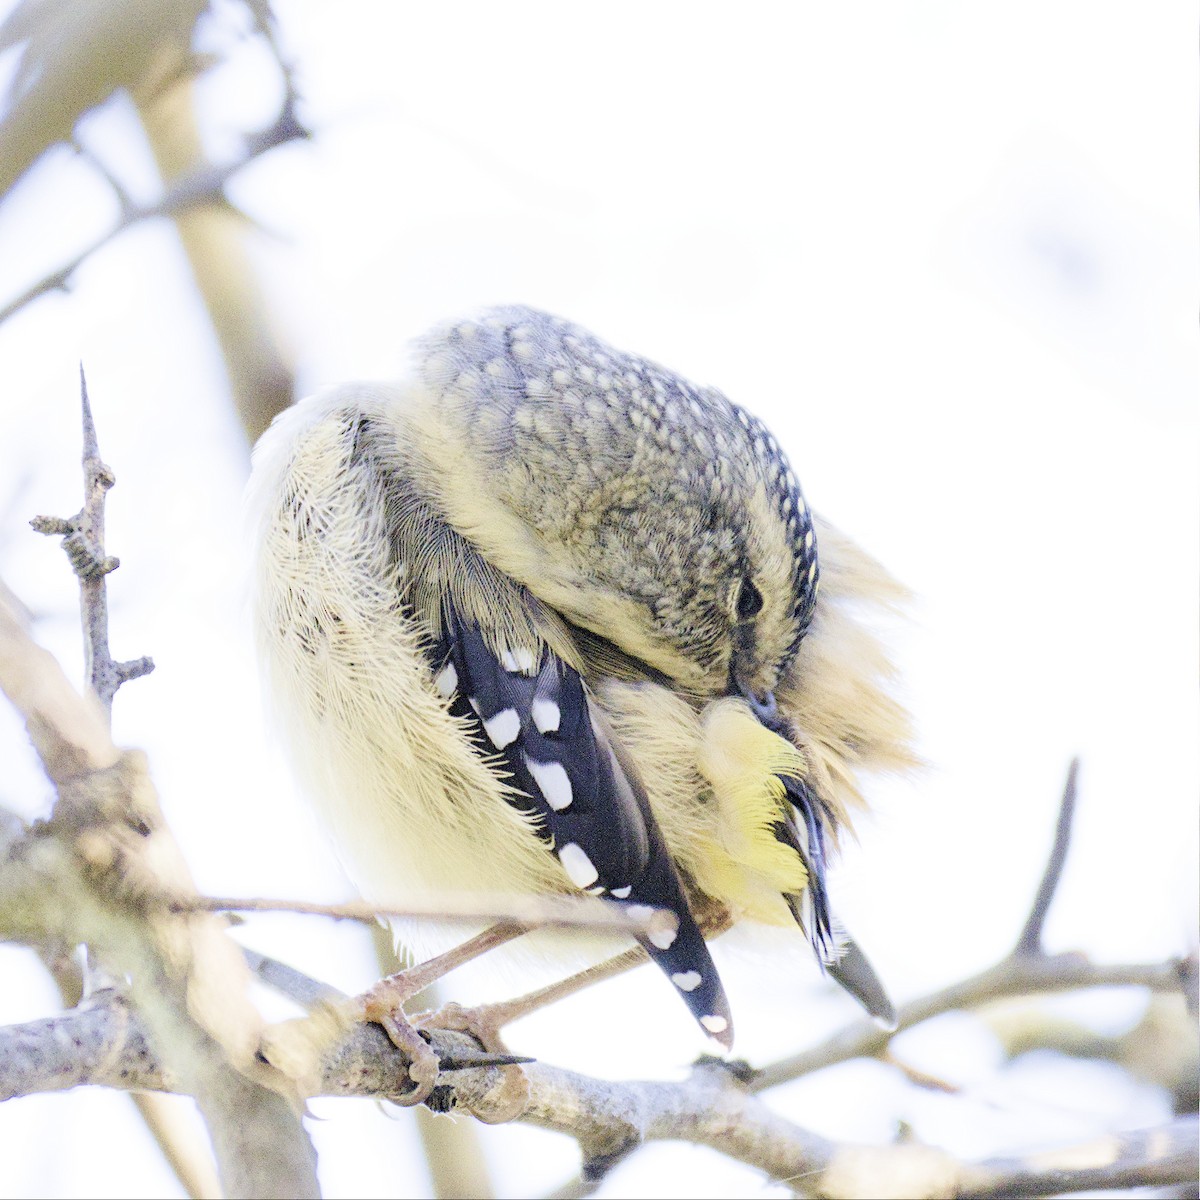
{"points": [[577, 865], [517, 661], [664, 939], [447, 681], [687, 981], [622, 893], [546, 715], [714, 1024], [553, 782], [503, 728]]}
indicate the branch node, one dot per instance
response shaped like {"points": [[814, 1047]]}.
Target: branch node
{"points": [[54, 526], [134, 668]]}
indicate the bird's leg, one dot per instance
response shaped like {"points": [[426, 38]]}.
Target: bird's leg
{"points": [[383, 1004], [484, 1022]]}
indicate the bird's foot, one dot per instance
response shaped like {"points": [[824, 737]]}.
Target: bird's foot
{"points": [[483, 1023], [383, 1005]]}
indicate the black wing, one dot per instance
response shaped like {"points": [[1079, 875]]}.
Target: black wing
{"points": [[535, 716]]}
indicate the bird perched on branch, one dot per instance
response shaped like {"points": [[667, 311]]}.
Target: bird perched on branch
{"points": [[546, 617]]}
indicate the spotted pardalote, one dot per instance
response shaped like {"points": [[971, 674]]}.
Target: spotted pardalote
{"points": [[546, 617]]}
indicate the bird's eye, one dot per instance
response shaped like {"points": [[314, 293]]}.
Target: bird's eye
{"points": [[749, 601]]}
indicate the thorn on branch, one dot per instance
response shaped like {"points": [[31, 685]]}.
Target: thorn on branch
{"points": [[1030, 941]]}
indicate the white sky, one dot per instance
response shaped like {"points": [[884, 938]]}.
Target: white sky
{"points": [[947, 251]]}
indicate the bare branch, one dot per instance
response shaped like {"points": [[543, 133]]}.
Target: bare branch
{"points": [[83, 541], [1030, 941], [1154, 1157], [1013, 976], [570, 912], [100, 1043]]}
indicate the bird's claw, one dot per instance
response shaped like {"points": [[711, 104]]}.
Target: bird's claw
{"points": [[483, 1023], [383, 1005]]}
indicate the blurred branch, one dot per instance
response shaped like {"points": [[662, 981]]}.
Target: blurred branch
{"points": [[213, 237], [1162, 1049], [205, 186], [455, 1159], [183, 1144], [1157, 1157], [76, 54]]}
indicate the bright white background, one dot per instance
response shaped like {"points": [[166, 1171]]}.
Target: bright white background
{"points": [[947, 251]]}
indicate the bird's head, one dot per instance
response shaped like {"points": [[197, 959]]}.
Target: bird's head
{"points": [[656, 514]]}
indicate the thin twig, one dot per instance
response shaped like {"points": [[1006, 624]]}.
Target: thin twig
{"points": [[83, 541], [1015, 975], [1030, 941], [570, 912]]}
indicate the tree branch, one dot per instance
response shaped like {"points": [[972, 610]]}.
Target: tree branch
{"points": [[1012, 976], [100, 1043]]}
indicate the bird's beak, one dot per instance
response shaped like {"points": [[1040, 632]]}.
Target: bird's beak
{"points": [[762, 705]]}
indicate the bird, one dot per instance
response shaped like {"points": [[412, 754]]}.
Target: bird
{"points": [[543, 617]]}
